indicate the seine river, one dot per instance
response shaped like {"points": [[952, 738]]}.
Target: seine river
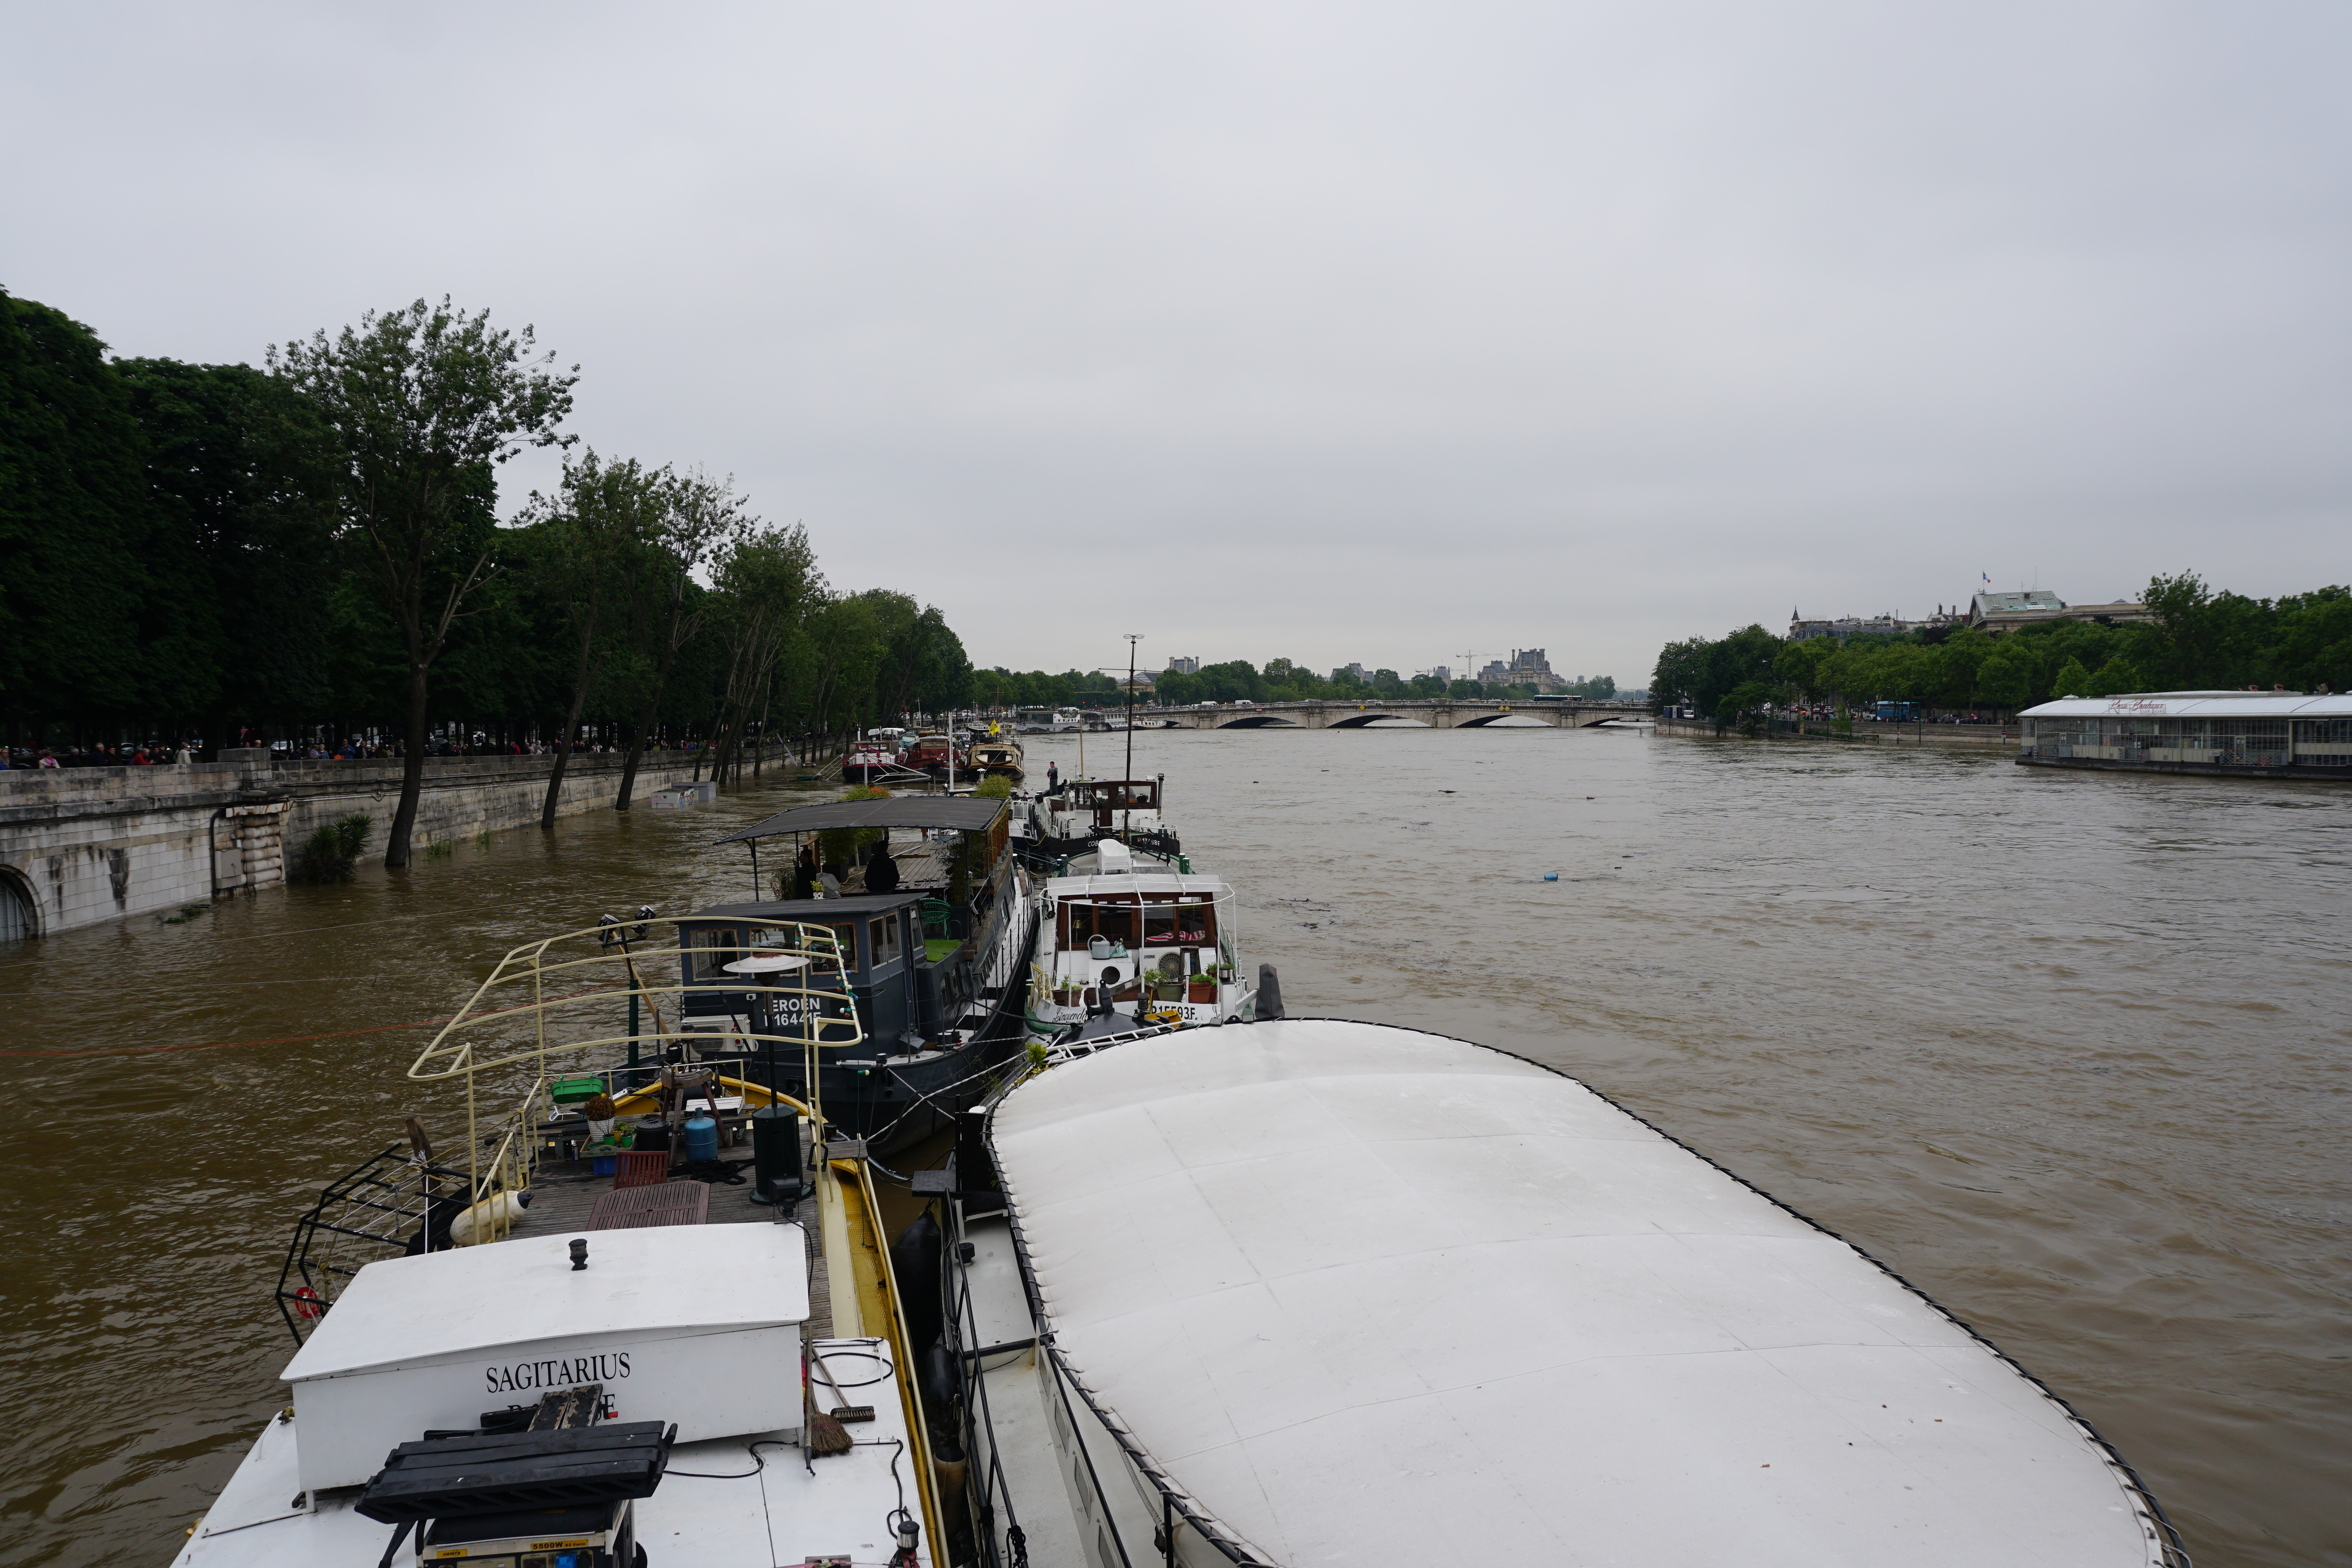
{"points": [[2072, 1052]]}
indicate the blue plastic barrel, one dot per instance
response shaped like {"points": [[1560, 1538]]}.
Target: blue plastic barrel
{"points": [[701, 1139]]}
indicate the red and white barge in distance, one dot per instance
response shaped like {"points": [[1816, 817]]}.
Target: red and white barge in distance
{"points": [[1126, 941]]}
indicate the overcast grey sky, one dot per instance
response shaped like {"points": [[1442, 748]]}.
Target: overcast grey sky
{"points": [[1332, 332]]}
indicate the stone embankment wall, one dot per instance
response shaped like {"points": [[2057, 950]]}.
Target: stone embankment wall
{"points": [[81, 845], [1970, 736]]}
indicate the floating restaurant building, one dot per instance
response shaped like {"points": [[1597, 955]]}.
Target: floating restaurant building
{"points": [[2273, 735]]}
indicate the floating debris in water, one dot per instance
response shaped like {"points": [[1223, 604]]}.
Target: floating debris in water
{"points": [[1551, 876]]}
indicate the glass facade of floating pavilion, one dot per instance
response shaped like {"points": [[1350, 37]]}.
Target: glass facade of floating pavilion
{"points": [[2279, 733]]}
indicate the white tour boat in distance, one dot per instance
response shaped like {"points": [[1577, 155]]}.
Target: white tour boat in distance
{"points": [[1308, 1293], [1048, 721]]}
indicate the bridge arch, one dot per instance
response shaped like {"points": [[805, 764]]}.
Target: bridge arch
{"points": [[20, 911], [1359, 720], [1260, 721]]}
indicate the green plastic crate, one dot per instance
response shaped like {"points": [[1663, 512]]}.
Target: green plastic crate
{"points": [[572, 1090]]}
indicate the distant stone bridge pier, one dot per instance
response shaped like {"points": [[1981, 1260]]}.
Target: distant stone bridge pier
{"points": [[83, 845], [1437, 713]]}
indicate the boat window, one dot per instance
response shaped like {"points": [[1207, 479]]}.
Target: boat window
{"points": [[713, 951], [845, 936], [1159, 922], [1084, 918], [1196, 922], [771, 938], [882, 939]]}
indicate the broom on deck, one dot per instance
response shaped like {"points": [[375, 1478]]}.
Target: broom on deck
{"points": [[826, 1436]]}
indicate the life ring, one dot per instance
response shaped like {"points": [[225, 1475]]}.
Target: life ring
{"points": [[308, 1303]]}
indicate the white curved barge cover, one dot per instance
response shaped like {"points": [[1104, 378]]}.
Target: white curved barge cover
{"points": [[1368, 1295]]}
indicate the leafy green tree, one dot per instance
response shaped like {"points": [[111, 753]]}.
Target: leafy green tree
{"points": [[1797, 665], [241, 547], [582, 541], [2072, 680], [416, 408], [1233, 681], [2007, 676], [765, 580], [697, 516], [2117, 675], [2313, 647], [1750, 697], [923, 667], [1958, 659], [73, 578]]}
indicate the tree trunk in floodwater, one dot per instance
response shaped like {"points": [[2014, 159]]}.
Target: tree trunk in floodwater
{"points": [[411, 775], [586, 676]]}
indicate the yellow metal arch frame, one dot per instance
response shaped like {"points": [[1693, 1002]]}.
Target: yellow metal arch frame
{"points": [[502, 1155]]}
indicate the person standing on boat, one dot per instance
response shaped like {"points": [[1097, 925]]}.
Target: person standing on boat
{"points": [[1053, 777]]}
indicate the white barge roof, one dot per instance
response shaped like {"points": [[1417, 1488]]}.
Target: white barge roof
{"points": [[676, 1278], [2198, 704], [1369, 1295]]}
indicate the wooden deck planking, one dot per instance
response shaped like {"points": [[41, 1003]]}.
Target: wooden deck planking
{"points": [[563, 1194]]}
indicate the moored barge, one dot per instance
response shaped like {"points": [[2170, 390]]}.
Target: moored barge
{"points": [[2267, 734]]}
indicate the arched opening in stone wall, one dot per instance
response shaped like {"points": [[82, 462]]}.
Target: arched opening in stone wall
{"points": [[19, 919]]}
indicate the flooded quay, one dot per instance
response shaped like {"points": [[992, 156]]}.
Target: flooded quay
{"points": [[2071, 1053]]}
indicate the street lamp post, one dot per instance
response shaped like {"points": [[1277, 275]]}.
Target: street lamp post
{"points": [[1126, 814]]}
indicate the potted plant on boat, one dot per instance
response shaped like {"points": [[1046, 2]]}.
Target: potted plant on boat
{"points": [[599, 1112], [1202, 987]]}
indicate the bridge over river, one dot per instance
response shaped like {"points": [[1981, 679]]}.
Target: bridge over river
{"points": [[1437, 713]]}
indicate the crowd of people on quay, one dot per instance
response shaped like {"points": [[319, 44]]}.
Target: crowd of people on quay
{"points": [[181, 753]]}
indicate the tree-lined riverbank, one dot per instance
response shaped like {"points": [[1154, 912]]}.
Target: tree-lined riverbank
{"points": [[2196, 639]]}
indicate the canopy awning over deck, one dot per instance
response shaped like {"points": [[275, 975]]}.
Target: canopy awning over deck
{"points": [[964, 813]]}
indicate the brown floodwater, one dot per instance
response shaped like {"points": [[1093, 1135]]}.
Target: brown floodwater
{"points": [[2072, 1052]]}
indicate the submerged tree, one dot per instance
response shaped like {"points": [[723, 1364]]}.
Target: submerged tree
{"points": [[764, 584], [601, 519], [418, 406], [699, 514]]}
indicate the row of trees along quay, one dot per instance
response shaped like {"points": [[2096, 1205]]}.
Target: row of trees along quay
{"points": [[311, 551], [2197, 639]]}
